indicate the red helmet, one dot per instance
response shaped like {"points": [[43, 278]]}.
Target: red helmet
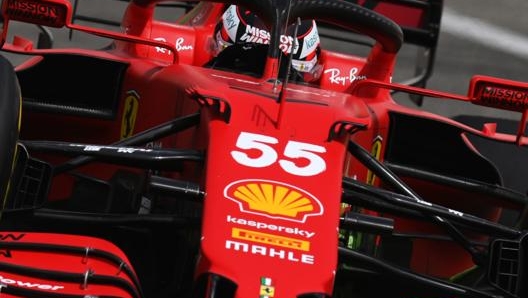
{"points": [[242, 27]]}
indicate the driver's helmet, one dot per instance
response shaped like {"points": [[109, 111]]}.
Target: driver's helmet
{"points": [[243, 27]]}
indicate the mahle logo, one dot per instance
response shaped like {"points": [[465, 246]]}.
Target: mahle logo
{"points": [[273, 199]]}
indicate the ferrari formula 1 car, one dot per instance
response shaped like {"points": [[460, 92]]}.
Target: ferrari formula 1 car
{"points": [[141, 169]]}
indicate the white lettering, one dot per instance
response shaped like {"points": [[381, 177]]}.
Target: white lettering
{"points": [[261, 36], [291, 257], [337, 78], [258, 250], [182, 47], [277, 253], [270, 252], [307, 259], [255, 35], [118, 149], [238, 246], [286, 44], [92, 148], [160, 49], [456, 212], [126, 150], [7, 281], [264, 226]]}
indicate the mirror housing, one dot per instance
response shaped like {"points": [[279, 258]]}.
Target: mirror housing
{"points": [[49, 13], [58, 14], [499, 93]]}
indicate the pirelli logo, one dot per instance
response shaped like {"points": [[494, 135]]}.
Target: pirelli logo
{"points": [[270, 239]]}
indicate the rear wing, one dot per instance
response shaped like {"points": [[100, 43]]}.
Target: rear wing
{"points": [[420, 22]]}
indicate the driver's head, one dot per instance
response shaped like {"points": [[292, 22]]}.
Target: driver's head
{"points": [[242, 27]]}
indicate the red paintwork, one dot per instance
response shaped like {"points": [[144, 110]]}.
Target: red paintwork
{"points": [[38, 256], [168, 79]]}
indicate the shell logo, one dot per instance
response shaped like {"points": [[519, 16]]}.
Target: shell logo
{"points": [[273, 199]]}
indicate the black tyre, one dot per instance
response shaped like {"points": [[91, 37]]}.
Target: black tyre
{"points": [[10, 113]]}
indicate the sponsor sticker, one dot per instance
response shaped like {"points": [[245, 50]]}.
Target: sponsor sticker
{"points": [[504, 97], [30, 285], [270, 252], [271, 239], [129, 114], [267, 290], [259, 225], [336, 77], [45, 13], [273, 199]]}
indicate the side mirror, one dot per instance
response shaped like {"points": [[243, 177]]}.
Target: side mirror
{"points": [[58, 14], [50, 13], [499, 93]]}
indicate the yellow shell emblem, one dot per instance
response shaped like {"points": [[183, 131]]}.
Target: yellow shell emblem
{"points": [[273, 199]]}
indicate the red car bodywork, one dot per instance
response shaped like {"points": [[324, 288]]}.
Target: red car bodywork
{"points": [[275, 153]]}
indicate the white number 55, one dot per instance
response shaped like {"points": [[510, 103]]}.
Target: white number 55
{"points": [[268, 155]]}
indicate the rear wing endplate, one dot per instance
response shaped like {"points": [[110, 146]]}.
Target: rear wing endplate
{"points": [[420, 22]]}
